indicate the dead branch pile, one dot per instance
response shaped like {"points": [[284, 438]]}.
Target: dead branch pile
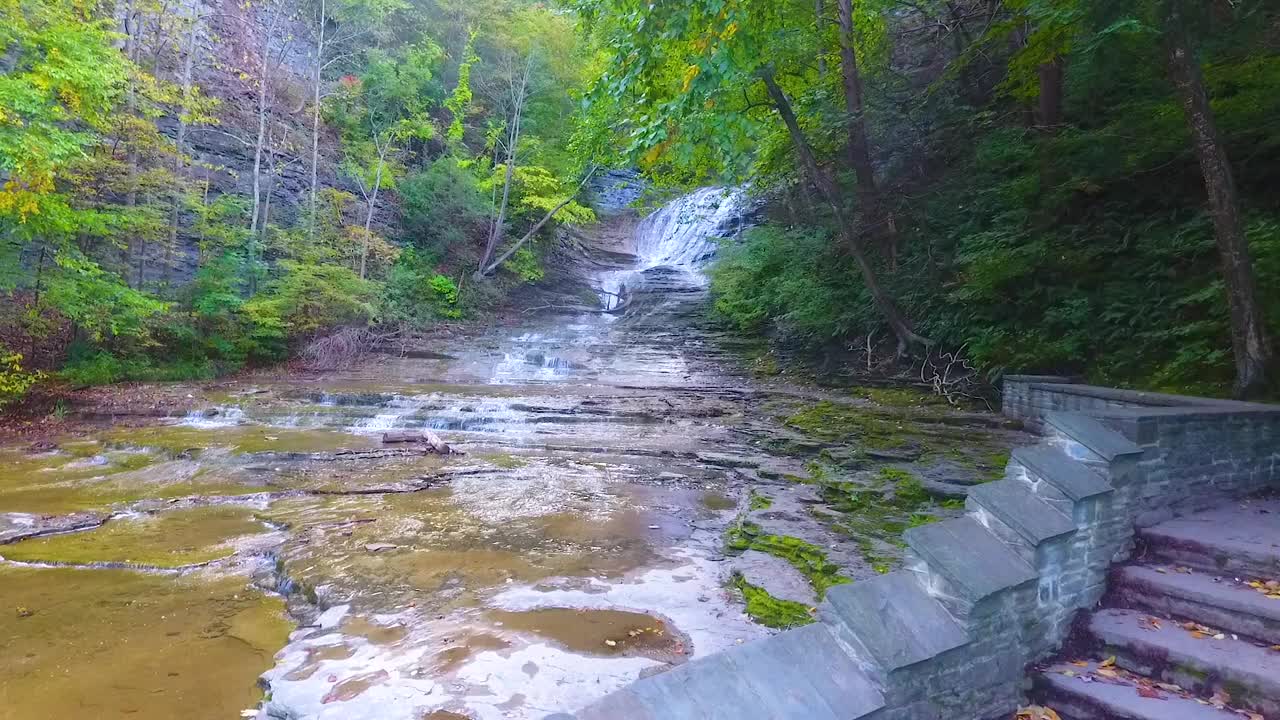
{"points": [[345, 347]]}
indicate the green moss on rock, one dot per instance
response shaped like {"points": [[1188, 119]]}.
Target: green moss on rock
{"points": [[769, 610]]}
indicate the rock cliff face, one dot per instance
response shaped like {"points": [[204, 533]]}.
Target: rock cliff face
{"points": [[228, 61]]}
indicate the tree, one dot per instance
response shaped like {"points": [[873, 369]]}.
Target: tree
{"points": [[379, 112], [1253, 353], [273, 47], [354, 19]]}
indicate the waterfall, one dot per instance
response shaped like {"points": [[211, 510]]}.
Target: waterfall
{"points": [[682, 236]]}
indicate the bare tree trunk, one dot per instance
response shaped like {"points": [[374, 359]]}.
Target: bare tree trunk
{"points": [[130, 27], [1249, 343], [898, 322], [519, 94], [315, 119], [858, 148], [383, 147], [259, 145]]}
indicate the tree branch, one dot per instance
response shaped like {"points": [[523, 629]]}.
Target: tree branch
{"points": [[534, 230]]}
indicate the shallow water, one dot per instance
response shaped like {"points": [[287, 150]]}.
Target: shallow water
{"points": [[577, 545], [121, 644], [559, 558]]}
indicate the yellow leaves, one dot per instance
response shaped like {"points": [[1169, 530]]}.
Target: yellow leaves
{"points": [[1036, 712], [21, 196], [1270, 588], [690, 73], [730, 30], [1106, 668]]}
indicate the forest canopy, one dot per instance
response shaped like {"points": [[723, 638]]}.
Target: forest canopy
{"points": [[1075, 186]]}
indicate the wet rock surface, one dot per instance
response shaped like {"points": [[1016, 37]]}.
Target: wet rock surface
{"points": [[623, 495]]}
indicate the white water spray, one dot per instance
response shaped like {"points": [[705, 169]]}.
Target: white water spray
{"points": [[682, 236]]}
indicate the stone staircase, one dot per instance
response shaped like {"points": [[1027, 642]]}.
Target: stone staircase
{"points": [[985, 596], [1193, 627]]}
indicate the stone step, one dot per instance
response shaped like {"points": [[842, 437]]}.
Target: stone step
{"points": [[1219, 602], [891, 620], [1061, 480], [1249, 674], [1017, 507], [1074, 698], [973, 561], [801, 674], [1078, 432], [1240, 539]]}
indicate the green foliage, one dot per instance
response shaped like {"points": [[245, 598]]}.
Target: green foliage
{"points": [[14, 380], [305, 300], [1078, 252], [443, 207], [417, 294], [526, 265]]}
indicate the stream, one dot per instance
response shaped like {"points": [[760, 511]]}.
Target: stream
{"points": [[267, 555]]}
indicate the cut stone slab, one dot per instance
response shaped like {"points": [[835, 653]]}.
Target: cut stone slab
{"points": [[776, 576], [1089, 432], [1240, 538], [809, 674], [1220, 603], [1069, 476], [975, 562], [1076, 699], [1248, 673], [1015, 504], [801, 674], [892, 619]]}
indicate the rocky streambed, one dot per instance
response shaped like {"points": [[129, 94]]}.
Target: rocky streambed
{"points": [[627, 497]]}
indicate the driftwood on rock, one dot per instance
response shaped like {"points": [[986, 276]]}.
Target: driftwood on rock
{"points": [[432, 440]]}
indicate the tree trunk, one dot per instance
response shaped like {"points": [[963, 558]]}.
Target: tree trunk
{"points": [[315, 121], [518, 95], [898, 322], [1249, 342], [858, 149], [373, 203], [1050, 103], [259, 145]]}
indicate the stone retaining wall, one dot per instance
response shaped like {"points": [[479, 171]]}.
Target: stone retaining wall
{"points": [[985, 595]]}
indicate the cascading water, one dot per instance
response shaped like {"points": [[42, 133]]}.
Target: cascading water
{"points": [[682, 236]]}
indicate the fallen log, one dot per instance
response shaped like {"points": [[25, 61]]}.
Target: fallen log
{"points": [[430, 439]]}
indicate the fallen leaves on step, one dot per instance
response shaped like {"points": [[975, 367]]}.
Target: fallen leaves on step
{"points": [[1036, 712], [1149, 623], [1108, 662], [1270, 588], [1150, 692]]}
